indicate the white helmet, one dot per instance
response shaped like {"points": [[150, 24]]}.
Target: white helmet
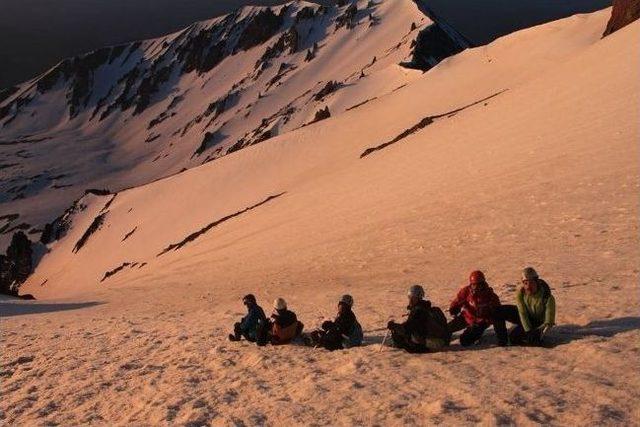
{"points": [[279, 304], [416, 291]]}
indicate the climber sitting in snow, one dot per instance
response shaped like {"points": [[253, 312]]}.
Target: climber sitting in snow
{"points": [[425, 328], [343, 332], [282, 327], [250, 324], [476, 307], [536, 310]]}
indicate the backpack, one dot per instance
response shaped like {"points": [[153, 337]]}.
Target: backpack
{"points": [[354, 339], [437, 324]]}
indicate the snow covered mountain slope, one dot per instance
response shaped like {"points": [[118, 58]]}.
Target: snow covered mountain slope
{"points": [[523, 152], [139, 224], [126, 115]]}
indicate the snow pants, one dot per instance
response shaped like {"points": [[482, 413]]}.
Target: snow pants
{"points": [[472, 333]]}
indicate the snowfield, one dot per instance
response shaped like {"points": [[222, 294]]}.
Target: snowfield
{"points": [[521, 152]]}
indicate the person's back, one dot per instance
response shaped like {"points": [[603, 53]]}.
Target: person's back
{"points": [[285, 325], [284, 318], [345, 320]]}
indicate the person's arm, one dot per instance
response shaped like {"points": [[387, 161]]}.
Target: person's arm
{"points": [[248, 320], [550, 311], [410, 323], [344, 324], [494, 304], [458, 302], [522, 311]]}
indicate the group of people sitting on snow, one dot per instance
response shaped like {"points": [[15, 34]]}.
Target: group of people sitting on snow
{"points": [[475, 308]]}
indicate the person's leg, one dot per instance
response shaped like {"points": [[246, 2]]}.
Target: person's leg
{"points": [[316, 336], [332, 340], [517, 335], [399, 337], [416, 348], [456, 324], [534, 337], [237, 332], [472, 334], [510, 313], [435, 344], [500, 329], [263, 333], [505, 313], [299, 329]]}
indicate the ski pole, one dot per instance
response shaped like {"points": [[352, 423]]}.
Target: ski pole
{"points": [[386, 335]]}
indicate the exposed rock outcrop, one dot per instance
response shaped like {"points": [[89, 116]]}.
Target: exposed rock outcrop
{"points": [[260, 28], [287, 43], [16, 265], [328, 89], [306, 12], [623, 13], [321, 114], [348, 17], [432, 45], [58, 227]]}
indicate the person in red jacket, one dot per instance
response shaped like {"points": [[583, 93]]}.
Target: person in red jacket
{"points": [[475, 308]]}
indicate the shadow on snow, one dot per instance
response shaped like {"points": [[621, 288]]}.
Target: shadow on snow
{"points": [[8, 309]]}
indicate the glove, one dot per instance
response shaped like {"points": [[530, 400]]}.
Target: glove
{"points": [[454, 311], [391, 324], [326, 325]]}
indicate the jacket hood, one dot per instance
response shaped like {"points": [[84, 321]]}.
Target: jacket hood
{"points": [[422, 304]]}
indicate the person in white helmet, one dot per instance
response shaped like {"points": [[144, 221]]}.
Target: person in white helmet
{"points": [[425, 328], [283, 326], [343, 332]]}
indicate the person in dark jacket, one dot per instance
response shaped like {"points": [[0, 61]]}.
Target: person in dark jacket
{"points": [[425, 328], [283, 326], [475, 308], [344, 331], [250, 324]]}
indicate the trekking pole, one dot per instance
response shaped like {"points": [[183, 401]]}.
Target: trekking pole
{"points": [[386, 335]]}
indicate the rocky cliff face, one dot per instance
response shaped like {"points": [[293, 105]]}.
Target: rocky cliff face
{"points": [[623, 13], [16, 265]]}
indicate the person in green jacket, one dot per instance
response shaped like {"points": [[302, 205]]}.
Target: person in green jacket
{"points": [[536, 310]]}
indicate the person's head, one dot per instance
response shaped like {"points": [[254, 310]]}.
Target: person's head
{"points": [[415, 294], [530, 280], [249, 300], [477, 281], [345, 303], [279, 304]]}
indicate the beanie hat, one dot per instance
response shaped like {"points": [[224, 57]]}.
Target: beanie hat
{"points": [[529, 273]]}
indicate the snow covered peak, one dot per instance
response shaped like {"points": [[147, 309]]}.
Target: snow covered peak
{"points": [[126, 115]]}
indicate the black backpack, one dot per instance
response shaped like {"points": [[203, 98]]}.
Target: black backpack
{"points": [[437, 325]]}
